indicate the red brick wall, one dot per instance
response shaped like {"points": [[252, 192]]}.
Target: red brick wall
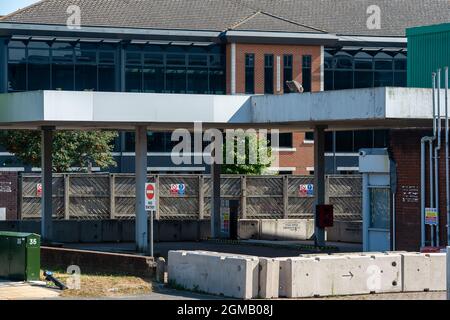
{"points": [[405, 150], [303, 157], [9, 194]]}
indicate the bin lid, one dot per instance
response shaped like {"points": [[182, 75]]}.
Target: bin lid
{"points": [[17, 234]]}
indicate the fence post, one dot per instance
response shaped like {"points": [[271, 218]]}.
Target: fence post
{"points": [[285, 197], [243, 197], [158, 198], [327, 189], [66, 197], [201, 197], [112, 197]]}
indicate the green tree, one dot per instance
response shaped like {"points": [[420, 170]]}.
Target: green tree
{"points": [[256, 158], [79, 149]]}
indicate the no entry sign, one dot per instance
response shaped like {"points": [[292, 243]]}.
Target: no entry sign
{"points": [[150, 197]]}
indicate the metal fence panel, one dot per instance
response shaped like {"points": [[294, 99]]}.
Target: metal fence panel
{"points": [[112, 196]]}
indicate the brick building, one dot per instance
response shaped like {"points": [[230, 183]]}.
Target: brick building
{"points": [[213, 47]]}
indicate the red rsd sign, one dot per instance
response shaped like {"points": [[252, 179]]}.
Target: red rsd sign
{"points": [[39, 190], [150, 197]]}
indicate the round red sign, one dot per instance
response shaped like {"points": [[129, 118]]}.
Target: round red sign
{"points": [[150, 192]]}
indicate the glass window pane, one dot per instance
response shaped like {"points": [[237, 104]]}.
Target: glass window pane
{"points": [[217, 81], [156, 142], [344, 141], [176, 59], [286, 140], [249, 73], [268, 74], [307, 73], [107, 78], [38, 76], [344, 63], [105, 57], [328, 80], [383, 79], [383, 64], [380, 208], [17, 77], [197, 81], [154, 79], [38, 45], [17, 54], [16, 44], [153, 59], [133, 80], [380, 138], [400, 64], [176, 80], [63, 77], [133, 58], [198, 60], [400, 79], [86, 57], [38, 56], [62, 46], [363, 64], [363, 79], [343, 80], [363, 139], [216, 61], [86, 77], [62, 56]]}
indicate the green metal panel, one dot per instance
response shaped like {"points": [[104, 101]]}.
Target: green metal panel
{"points": [[33, 266], [428, 50], [19, 256]]}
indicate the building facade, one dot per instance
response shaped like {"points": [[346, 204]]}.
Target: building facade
{"points": [[211, 47]]}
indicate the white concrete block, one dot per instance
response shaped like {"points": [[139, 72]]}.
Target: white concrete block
{"points": [[215, 273], [327, 275], [269, 276], [424, 272], [287, 229]]}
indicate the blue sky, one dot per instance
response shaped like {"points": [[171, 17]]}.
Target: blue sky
{"points": [[8, 6]]}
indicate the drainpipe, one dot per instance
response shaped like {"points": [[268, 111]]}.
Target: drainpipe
{"points": [[447, 177], [430, 140], [436, 154]]}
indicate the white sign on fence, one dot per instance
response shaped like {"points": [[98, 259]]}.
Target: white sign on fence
{"points": [[150, 197]]}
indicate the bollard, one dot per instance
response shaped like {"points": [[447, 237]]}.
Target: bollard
{"points": [[161, 270], [448, 273]]}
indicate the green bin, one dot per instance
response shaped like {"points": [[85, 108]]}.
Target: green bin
{"points": [[20, 256]]}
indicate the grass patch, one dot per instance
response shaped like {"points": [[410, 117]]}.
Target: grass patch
{"points": [[98, 286]]}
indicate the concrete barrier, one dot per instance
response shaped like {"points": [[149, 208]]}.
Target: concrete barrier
{"points": [[345, 231], [286, 229], [269, 278], [90, 231], [248, 229], [424, 272], [328, 275], [215, 273]]}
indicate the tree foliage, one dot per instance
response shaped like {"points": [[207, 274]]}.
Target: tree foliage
{"points": [[79, 149], [253, 159]]}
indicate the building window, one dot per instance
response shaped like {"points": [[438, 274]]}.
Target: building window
{"points": [[268, 74], [249, 73], [286, 140], [307, 73], [287, 71], [80, 66], [172, 69], [364, 69]]}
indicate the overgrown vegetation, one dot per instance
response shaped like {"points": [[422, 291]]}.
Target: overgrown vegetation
{"points": [[80, 149]]}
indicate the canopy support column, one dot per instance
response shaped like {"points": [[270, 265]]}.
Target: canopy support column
{"points": [[141, 180], [319, 180], [46, 180]]}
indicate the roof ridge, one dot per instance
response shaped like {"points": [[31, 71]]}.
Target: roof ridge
{"points": [[247, 5], [244, 20], [293, 22], [9, 15]]}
